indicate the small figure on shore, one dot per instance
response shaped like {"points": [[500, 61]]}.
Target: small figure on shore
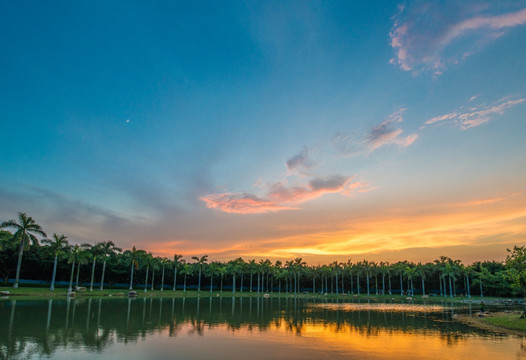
{"points": [[481, 313]]}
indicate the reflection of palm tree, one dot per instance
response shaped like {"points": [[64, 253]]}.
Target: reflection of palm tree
{"points": [[200, 262], [58, 246], [107, 248], [26, 229]]}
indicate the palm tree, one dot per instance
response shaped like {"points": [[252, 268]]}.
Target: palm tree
{"points": [[107, 248], [95, 251], [147, 259], [58, 246], [176, 263], [187, 269], [211, 270], [83, 259], [164, 263], [222, 271], [26, 231], [233, 267], [410, 273], [74, 255], [251, 266], [133, 256], [366, 266], [200, 262], [154, 265], [298, 265], [422, 270]]}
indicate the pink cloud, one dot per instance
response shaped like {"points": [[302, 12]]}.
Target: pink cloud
{"points": [[477, 115], [428, 37], [282, 197]]}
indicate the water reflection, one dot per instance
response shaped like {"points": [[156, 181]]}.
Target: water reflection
{"points": [[282, 327]]}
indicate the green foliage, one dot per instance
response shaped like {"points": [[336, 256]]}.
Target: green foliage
{"points": [[516, 269]]}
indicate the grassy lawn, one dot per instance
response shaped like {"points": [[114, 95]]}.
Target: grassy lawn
{"points": [[62, 292], [510, 320]]}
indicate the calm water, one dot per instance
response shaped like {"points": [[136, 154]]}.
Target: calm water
{"points": [[241, 328]]}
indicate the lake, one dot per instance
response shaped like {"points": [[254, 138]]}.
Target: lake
{"points": [[242, 328]]}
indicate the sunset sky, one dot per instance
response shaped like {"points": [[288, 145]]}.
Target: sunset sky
{"points": [[325, 130]]}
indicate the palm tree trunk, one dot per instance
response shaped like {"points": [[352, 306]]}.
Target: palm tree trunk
{"points": [[184, 286], [337, 284], [440, 283], [450, 288], [368, 284], [467, 283], [78, 273], [70, 288], [480, 283], [259, 276], [313, 284], [211, 282], [52, 288], [234, 283], [92, 275], [153, 277], [146, 281], [376, 283], [162, 280], [199, 282], [250, 280], [103, 272], [175, 279], [390, 288], [221, 283], [383, 283], [131, 277], [401, 285], [241, 288], [358, 283], [423, 287], [19, 264]]}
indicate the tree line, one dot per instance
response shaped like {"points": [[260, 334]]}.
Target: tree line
{"points": [[104, 264]]}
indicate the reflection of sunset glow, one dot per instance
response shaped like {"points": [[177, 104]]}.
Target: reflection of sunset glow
{"points": [[313, 340], [414, 308]]}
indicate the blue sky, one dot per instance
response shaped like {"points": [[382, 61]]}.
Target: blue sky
{"points": [[268, 129]]}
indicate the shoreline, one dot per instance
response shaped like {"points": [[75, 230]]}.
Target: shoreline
{"points": [[484, 324]]}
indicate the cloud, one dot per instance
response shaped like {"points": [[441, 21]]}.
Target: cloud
{"points": [[241, 203], [475, 116], [428, 37], [387, 133], [280, 196], [301, 162]]}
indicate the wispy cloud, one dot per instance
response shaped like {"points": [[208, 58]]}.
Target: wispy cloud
{"points": [[428, 37], [280, 196], [387, 132], [475, 115]]}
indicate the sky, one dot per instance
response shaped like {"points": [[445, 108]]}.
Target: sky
{"points": [[326, 130]]}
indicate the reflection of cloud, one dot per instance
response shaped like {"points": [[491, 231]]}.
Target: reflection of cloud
{"points": [[475, 116], [430, 36], [280, 196]]}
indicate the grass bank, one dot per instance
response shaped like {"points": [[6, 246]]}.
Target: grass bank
{"points": [[504, 322]]}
